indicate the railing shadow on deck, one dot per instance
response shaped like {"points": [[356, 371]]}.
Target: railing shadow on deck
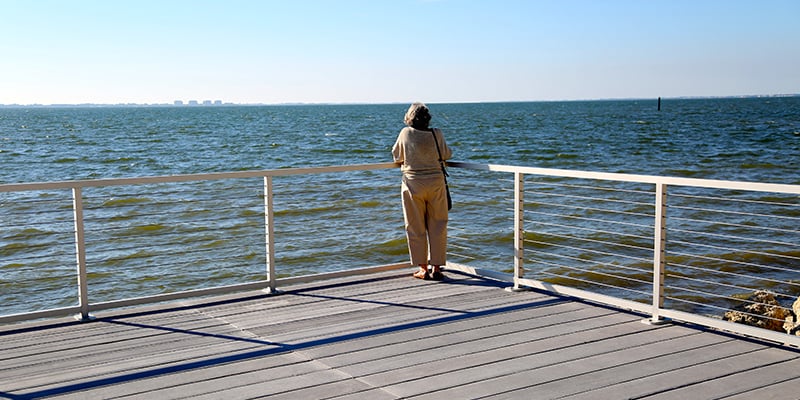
{"points": [[268, 348], [672, 248]]}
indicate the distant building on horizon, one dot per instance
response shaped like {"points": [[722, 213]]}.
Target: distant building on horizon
{"points": [[198, 103]]}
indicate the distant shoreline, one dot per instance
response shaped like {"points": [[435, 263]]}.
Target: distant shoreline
{"points": [[200, 105]]}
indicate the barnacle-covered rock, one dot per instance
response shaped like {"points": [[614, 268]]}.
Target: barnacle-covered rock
{"points": [[762, 310], [792, 322]]}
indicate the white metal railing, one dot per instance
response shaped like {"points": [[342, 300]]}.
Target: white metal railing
{"points": [[153, 239], [672, 248]]}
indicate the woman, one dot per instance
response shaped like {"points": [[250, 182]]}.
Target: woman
{"points": [[421, 151]]}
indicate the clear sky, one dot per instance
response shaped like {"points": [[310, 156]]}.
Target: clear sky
{"points": [[385, 51]]}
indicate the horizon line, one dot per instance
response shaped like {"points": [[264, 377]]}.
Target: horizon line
{"points": [[202, 105]]}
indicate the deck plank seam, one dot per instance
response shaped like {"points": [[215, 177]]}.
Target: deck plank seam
{"points": [[516, 358], [696, 382], [663, 372]]}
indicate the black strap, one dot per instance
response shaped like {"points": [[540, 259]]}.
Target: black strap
{"points": [[441, 162], [444, 171]]}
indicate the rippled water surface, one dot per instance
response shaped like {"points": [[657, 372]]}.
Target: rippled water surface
{"points": [[735, 139]]}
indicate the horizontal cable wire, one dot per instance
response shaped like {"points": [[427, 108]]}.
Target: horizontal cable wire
{"points": [[615, 266], [587, 250], [49, 257], [597, 199], [734, 212], [606, 188], [734, 274], [164, 208], [146, 255], [603, 210], [593, 273], [697, 304], [596, 241], [761, 253], [163, 244], [723, 236], [173, 225], [587, 219], [728, 199], [706, 281], [593, 282], [731, 224], [38, 213], [540, 223], [726, 298]]}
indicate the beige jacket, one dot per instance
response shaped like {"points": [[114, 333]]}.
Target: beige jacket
{"points": [[416, 151]]}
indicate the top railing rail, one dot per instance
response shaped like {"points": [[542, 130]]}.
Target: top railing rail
{"points": [[15, 187], [620, 177]]}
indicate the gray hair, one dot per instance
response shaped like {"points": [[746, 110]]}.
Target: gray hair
{"points": [[418, 116]]}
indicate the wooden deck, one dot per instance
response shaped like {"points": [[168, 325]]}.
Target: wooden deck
{"points": [[388, 336]]}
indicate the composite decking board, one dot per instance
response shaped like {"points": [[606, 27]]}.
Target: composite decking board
{"points": [[55, 337], [262, 389], [142, 325], [383, 337], [486, 326], [103, 380], [212, 375], [739, 382], [37, 375], [444, 345], [784, 390], [347, 387], [694, 376], [106, 336], [77, 353], [253, 383], [100, 333], [110, 339], [535, 352], [383, 290], [335, 308], [372, 394], [372, 320], [512, 372], [741, 365], [407, 366], [385, 318], [289, 299], [605, 376], [541, 382], [171, 346], [123, 370]]}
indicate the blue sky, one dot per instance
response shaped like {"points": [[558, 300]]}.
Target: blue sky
{"points": [[379, 51]]}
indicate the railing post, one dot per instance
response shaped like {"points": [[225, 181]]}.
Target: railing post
{"points": [[80, 252], [269, 219], [519, 229], [659, 252]]}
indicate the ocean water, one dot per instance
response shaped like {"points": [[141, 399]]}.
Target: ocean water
{"points": [[743, 139], [747, 139]]}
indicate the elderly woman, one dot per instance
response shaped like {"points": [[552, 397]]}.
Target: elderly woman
{"points": [[421, 152]]}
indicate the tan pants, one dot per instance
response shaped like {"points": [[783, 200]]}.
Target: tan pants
{"points": [[425, 213]]}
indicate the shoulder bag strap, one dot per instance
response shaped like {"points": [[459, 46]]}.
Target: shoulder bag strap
{"points": [[441, 162]]}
